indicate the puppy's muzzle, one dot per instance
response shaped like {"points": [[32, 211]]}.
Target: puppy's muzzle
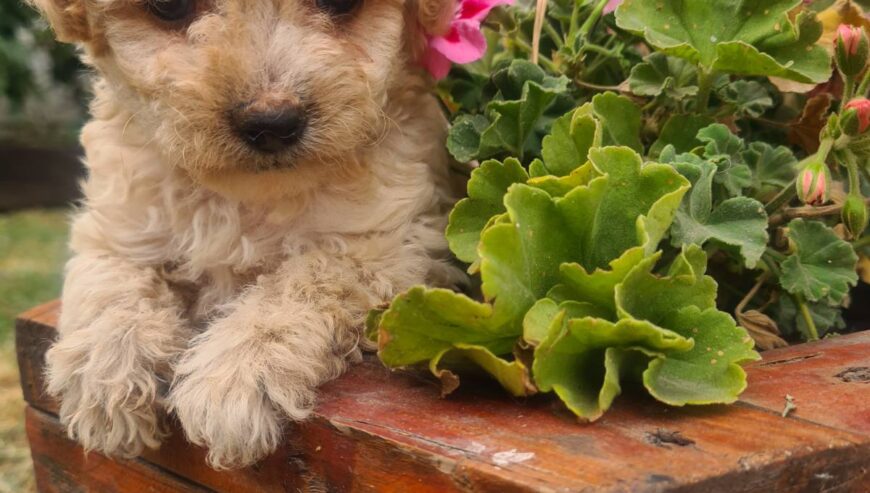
{"points": [[269, 125]]}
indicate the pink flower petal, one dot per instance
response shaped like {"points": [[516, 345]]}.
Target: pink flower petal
{"points": [[611, 6], [478, 9], [437, 64], [464, 42]]}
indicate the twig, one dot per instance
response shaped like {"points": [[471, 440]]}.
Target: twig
{"points": [[808, 211]]}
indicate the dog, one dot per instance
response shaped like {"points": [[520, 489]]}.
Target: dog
{"points": [[261, 174]]}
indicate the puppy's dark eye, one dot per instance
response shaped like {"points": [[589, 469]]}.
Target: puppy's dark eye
{"points": [[171, 10], [337, 7]]}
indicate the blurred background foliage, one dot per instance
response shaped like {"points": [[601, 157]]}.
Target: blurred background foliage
{"points": [[43, 97], [42, 83]]}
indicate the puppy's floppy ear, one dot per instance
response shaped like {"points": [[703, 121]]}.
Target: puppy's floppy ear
{"points": [[68, 18], [434, 15]]}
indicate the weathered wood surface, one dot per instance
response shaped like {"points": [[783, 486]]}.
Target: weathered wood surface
{"points": [[376, 430]]}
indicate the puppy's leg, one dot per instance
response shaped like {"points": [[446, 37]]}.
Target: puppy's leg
{"points": [[261, 363], [120, 326]]}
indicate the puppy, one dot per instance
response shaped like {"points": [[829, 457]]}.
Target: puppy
{"points": [[261, 174]]}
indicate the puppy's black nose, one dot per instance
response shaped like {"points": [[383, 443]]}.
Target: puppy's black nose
{"points": [[269, 128]]}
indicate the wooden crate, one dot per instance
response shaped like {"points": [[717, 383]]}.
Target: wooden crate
{"points": [[376, 430]]}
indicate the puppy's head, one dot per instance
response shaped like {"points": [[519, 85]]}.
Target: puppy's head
{"points": [[242, 91]]}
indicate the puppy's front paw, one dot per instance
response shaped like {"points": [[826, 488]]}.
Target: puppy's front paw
{"points": [[105, 408], [225, 408]]}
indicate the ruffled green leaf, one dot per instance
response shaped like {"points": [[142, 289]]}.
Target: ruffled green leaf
{"points": [[710, 372], [582, 358], [633, 205], [646, 296], [620, 120], [567, 146], [822, 266], [513, 375], [486, 190], [748, 38]]}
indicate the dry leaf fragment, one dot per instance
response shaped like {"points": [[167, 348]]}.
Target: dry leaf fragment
{"points": [[804, 131], [762, 329]]}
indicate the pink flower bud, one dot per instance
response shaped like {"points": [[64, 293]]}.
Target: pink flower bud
{"points": [[851, 47], [812, 183], [850, 36], [862, 106]]}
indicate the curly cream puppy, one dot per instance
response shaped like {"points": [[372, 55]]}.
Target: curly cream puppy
{"points": [[262, 172]]}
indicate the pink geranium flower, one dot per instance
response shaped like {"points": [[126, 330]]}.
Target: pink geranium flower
{"points": [[611, 6], [463, 42]]}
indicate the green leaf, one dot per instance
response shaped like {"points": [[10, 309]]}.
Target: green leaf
{"points": [[516, 122], [632, 205], [708, 373], [822, 266], [748, 97], [724, 149], [463, 140], [737, 37], [740, 221], [486, 189], [512, 375], [661, 74], [536, 323], [646, 296], [620, 120], [421, 324], [680, 131], [567, 146], [598, 286], [773, 168], [582, 358]]}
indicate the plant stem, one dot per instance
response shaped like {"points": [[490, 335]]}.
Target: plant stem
{"points": [[782, 198], [597, 49], [861, 242], [553, 35], [862, 87], [852, 167], [705, 84], [543, 60], [813, 332], [592, 19], [597, 87], [848, 88]]}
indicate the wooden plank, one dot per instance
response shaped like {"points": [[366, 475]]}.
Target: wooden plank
{"points": [[34, 333], [376, 430], [62, 467], [829, 381]]}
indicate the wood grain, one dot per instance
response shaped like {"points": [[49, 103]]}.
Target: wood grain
{"points": [[376, 430]]}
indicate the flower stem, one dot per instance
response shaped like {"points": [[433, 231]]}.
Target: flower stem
{"points": [[782, 198], [852, 167], [848, 90], [592, 19], [812, 331], [862, 87]]}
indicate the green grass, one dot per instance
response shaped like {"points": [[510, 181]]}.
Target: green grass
{"points": [[32, 253]]}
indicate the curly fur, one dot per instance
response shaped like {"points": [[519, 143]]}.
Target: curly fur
{"points": [[223, 284]]}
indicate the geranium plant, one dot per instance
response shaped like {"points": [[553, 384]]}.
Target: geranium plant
{"points": [[658, 194]]}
